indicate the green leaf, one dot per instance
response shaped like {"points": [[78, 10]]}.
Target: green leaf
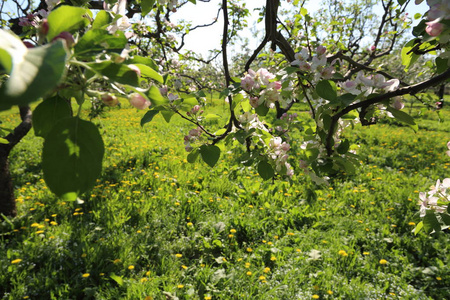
{"points": [[418, 228], [192, 156], [72, 157], [326, 89], [148, 117], [66, 18], [116, 72], [102, 20], [167, 115], [193, 1], [401, 2], [401, 116], [343, 147], [430, 222], [5, 62], [48, 113], [265, 170], [150, 73], [419, 29], [209, 117], [35, 72], [117, 279], [155, 96], [3, 141], [147, 6], [210, 154], [441, 65], [445, 218], [408, 58], [262, 110], [136, 59], [98, 40]]}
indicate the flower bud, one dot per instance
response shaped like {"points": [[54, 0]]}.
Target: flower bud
{"points": [[44, 27], [434, 28], [67, 37], [138, 101], [110, 100]]}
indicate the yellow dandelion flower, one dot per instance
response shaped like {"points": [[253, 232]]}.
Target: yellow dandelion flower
{"points": [[190, 224], [266, 270], [273, 258], [180, 286], [233, 230], [249, 273], [438, 278], [330, 292], [178, 255], [208, 297], [16, 261], [249, 249], [144, 279], [262, 278], [184, 267], [85, 275], [315, 296], [147, 273], [131, 267], [342, 253], [383, 261]]}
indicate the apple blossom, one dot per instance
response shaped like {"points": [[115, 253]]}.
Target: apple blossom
{"points": [[398, 104], [139, 101], [434, 28], [67, 37], [109, 100]]}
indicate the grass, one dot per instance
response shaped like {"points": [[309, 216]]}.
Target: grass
{"points": [[157, 227]]}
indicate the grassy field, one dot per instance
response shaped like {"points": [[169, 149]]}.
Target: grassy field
{"points": [[157, 227]]}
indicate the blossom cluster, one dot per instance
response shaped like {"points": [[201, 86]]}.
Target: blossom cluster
{"points": [[368, 85], [262, 88], [439, 10], [317, 65], [193, 136], [436, 199], [278, 156]]}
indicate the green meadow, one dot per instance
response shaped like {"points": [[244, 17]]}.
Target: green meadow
{"points": [[157, 227]]}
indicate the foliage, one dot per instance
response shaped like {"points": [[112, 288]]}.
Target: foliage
{"points": [[155, 225]]}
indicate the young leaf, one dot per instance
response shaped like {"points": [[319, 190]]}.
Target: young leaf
{"points": [[116, 72], [148, 117], [35, 72], [102, 19], [72, 157], [148, 72], [210, 154], [326, 89], [262, 110], [48, 113], [265, 170], [430, 222], [192, 156], [408, 57], [66, 18], [98, 40], [147, 6], [155, 96], [401, 116]]}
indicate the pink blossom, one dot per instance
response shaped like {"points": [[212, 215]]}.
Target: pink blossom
{"points": [[321, 50], [247, 83], [109, 100], [434, 28], [67, 37], [398, 104], [139, 101], [254, 102]]}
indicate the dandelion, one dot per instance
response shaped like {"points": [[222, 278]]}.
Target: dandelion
{"points": [[85, 275], [208, 297], [178, 255], [273, 258], [147, 273], [184, 267], [383, 261], [249, 249], [438, 278], [266, 270], [190, 224], [366, 253], [342, 253], [144, 279], [315, 296], [180, 286], [330, 292], [411, 223], [249, 273], [247, 265], [262, 278], [16, 261], [131, 267]]}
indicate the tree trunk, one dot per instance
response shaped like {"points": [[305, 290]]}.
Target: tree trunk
{"points": [[7, 199]]}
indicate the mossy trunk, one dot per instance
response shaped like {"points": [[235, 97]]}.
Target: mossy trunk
{"points": [[7, 199]]}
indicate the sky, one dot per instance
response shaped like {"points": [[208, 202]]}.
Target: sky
{"points": [[202, 39]]}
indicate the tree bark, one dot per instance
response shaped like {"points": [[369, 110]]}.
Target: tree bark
{"points": [[7, 199]]}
